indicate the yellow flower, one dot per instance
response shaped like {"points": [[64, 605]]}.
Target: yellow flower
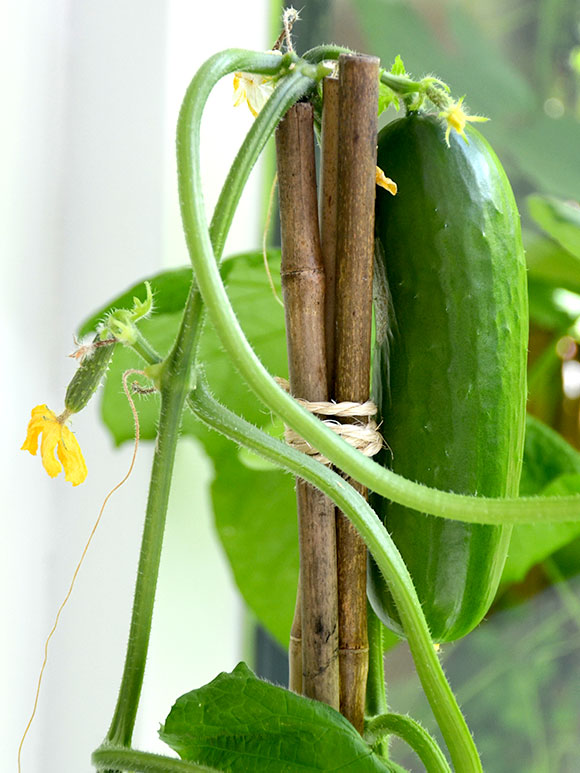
{"points": [[456, 118], [385, 182], [253, 89], [55, 435]]}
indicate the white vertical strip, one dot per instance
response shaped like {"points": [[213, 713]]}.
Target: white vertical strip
{"points": [[32, 73]]}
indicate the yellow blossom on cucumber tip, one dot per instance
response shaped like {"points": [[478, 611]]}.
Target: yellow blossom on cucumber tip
{"points": [[385, 182], [456, 118], [55, 436]]}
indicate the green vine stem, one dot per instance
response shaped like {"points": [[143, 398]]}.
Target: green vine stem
{"points": [[383, 481], [174, 376], [174, 387], [376, 692], [413, 734], [119, 758], [376, 695], [436, 688], [400, 84]]}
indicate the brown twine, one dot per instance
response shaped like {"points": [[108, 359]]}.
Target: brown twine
{"points": [[364, 436]]}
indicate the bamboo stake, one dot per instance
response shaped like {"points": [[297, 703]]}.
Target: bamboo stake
{"points": [[358, 96], [295, 646], [303, 287], [328, 212]]}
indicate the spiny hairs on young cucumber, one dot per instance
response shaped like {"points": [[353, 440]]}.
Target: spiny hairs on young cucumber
{"points": [[450, 377]]}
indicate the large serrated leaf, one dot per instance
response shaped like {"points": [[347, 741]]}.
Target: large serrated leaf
{"points": [[551, 468], [170, 289], [240, 723]]}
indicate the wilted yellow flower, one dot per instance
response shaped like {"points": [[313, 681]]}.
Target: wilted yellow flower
{"points": [[253, 88], [456, 118], [385, 182], [55, 435]]}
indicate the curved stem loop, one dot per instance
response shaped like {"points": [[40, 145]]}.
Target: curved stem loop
{"points": [[385, 553], [413, 734]]}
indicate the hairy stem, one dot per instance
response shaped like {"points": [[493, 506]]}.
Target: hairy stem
{"points": [[376, 694], [175, 385], [385, 553], [413, 734], [120, 758]]}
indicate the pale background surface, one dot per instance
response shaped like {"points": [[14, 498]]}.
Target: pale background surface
{"points": [[90, 96]]}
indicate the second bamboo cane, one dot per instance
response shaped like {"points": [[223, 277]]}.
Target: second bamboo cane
{"points": [[358, 98]]}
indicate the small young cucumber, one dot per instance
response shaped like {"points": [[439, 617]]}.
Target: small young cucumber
{"points": [[88, 376], [450, 376]]}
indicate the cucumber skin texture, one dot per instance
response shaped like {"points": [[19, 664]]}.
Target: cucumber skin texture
{"points": [[450, 379], [88, 377]]}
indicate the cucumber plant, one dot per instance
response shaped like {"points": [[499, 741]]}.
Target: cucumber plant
{"points": [[455, 359]]}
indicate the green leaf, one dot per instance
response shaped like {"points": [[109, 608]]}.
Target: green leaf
{"points": [[455, 46], [255, 515], [560, 220], [550, 263], [386, 97], [239, 723], [261, 507], [546, 307], [398, 68], [551, 468], [547, 149], [170, 289], [547, 456]]}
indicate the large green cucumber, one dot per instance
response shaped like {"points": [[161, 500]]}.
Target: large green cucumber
{"points": [[450, 375]]}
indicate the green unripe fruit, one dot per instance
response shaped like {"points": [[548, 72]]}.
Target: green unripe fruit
{"points": [[89, 375], [450, 378]]}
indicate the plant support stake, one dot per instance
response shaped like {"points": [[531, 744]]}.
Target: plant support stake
{"points": [[358, 99], [303, 287]]}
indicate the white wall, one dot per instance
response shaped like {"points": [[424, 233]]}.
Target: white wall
{"points": [[90, 96]]}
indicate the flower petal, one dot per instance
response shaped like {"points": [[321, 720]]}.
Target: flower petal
{"points": [[51, 433], [239, 90], [385, 182], [70, 454], [38, 418], [253, 89]]}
